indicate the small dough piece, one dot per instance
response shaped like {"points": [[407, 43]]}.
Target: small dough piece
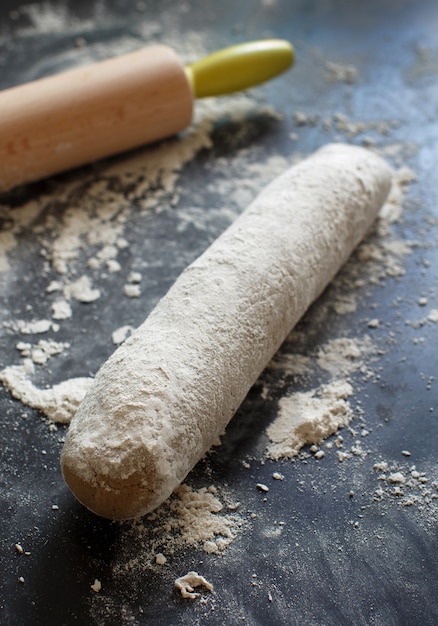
{"points": [[186, 584], [167, 393]]}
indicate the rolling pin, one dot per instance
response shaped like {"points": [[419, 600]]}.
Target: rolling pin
{"points": [[88, 113], [165, 396]]}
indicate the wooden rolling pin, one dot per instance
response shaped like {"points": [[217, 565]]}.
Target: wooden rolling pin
{"points": [[63, 121], [166, 394]]}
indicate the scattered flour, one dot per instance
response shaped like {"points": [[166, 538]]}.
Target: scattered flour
{"points": [[341, 72], [408, 487], [46, 18], [198, 518], [308, 418], [350, 129], [43, 351], [344, 355], [34, 327], [59, 403], [190, 518]]}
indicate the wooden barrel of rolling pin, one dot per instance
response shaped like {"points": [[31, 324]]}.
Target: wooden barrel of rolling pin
{"points": [[63, 121]]}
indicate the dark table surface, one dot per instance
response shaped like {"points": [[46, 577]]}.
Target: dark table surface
{"points": [[339, 558]]}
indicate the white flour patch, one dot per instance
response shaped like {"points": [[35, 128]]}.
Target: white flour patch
{"points": [[306, 418], [58, 403], [191, 518], [344, 355], [198, 517]]}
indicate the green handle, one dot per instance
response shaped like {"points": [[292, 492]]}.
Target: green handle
{"points": [[239, 67]]}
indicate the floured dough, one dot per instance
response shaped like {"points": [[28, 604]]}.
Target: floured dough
{"points": [[186, 584], [167, 393]]}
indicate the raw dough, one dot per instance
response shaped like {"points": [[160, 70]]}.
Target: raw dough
{"points": [[185, 584], [163, 398]]}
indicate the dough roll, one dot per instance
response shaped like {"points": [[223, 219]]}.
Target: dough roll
{"points": [[166, 395]]}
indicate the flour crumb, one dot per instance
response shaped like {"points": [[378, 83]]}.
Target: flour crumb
{"points": [[433, 316], [121, 334], [186, 585], [277, 476], [96, 586], [82, 290], [380, 466], [132, 290], [374, 323], [35, 327], [160, 559], [396, 478], [61, 310], [54, 285], [134, 277], [113, 266]]}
